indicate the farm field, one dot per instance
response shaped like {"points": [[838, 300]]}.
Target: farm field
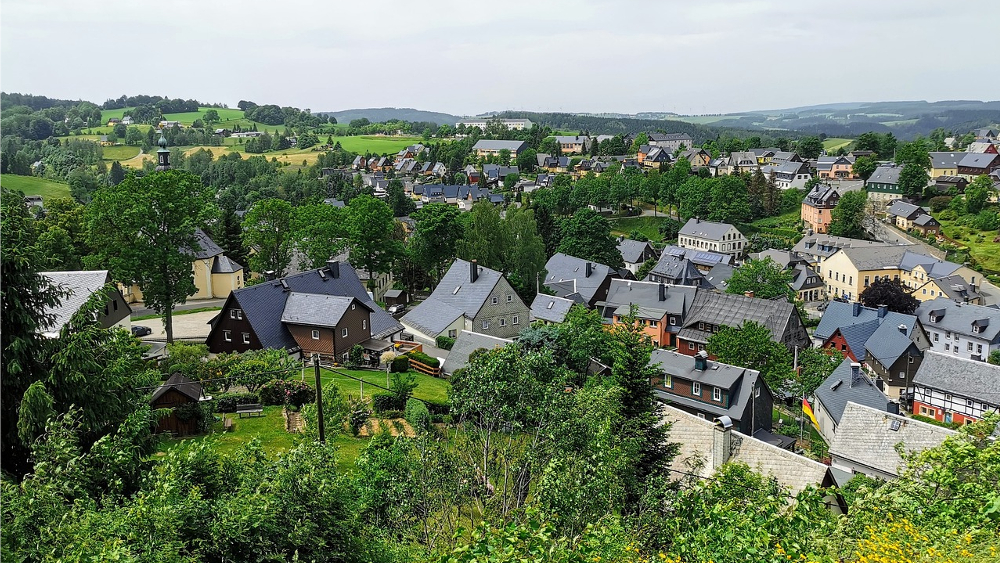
{"points": [[32, 185], [835, 143], [375, 143], [120, 153], [702, 119]]}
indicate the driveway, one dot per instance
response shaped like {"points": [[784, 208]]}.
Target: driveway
{"points": [[140, 310], [189, 327]]}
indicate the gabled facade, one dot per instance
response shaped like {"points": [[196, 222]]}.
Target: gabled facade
{"points": [[659, 308], [958, 390], [80, 286], [818, 205], [722, 238], [835, 167], [568, 276], [635, 253], [960, 329], [883, 184], [847, 384], [327, 325]]}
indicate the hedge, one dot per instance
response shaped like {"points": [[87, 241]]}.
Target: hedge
{"points": [[382, 402], [417, 414], [436, 407], [226, 402], [444, 342], [424, 359], [281, 391], [400, 365]]}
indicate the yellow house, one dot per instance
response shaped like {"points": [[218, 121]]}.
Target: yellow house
{"points": [[850, 270], [215, 274], [953, 287], [945, 163]]}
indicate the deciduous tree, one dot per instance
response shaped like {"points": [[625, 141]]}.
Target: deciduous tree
{"points": [[267, 229], [848, 217], [587, 235], [435, 237], [369, 225], [891, 293], [752, 346], [765, 278]]}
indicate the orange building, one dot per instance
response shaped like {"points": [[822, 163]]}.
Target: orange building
{"points": [[817, 207]]}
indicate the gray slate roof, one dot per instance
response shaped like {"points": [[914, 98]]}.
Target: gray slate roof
{"points": [[886, 174], [313, 309], [677, 299], [730, 310], [875, 258], [888, 342], [680, 365], [821, 195], [225, 265], [955, 287], [632, 250], [565, 268], [958, 318], [187, 387], [467, 343], [865, 436], [842, 388], [680, 271], [718, 277], [432, 316], [699, 257], [455, 296], [264, 303], [934, 267], [827, 245], [946, 159], [839, 314], [705, 229], [206, 246], [900, 208], [960, 376], [80, 285], [490, 145], [550, 308], [857, 334], [977, 160]]}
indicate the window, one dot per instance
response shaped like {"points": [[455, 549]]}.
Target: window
{"points": [[947, 347], [668, 381], [232, 314], [947, 397], [364, 324], [969, 348], [503, 321], [353, 306], [696, 388], [701, 326], [486, 324], [968, 402], [496, 300], [979, 348], [227, 335], [653, 324], [452, 333], [925, 291], [115, 304], [510, 298], [315, 335], [516, 320], [246, 338], [937, 337], [716, 394], [701, 415], [756, 392], [851, 281], [673, 321]]}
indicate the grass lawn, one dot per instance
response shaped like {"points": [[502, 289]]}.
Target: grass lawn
{"points": [[270, 429], [645, 225], [428, 388], [32, 185], [980, 244], [834, 143], [120, 153], [375, 143]]}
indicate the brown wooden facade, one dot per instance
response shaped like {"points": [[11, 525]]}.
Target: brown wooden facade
{"points": [[233, 331], [170, 423], [356, 321]]}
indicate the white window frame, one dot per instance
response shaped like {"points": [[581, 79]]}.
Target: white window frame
{"points": [[516, 320], [246, 338], [343, 332], [716, 394], [227, 335], [364, 324], [496, 300], [315, 334], [696, 388], [486, 324], [510, 298]]}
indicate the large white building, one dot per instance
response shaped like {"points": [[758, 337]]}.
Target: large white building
{"points": [[961, 330], [482, 122], [722, 238]]}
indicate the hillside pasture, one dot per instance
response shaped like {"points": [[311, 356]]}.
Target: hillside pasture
{"points": [[32, 185], [378, 144], [120, 153], [835, 143]]}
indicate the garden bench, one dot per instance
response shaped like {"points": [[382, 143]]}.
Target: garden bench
{"points": [[249, 409]]}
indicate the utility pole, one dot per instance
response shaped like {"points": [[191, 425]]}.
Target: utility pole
{"points": [[319, 400]]}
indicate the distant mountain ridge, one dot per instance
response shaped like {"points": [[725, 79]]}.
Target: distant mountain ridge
{"points": [[376, 115]]}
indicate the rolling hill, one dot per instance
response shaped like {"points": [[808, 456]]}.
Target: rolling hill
{"points": [[376, 115]]}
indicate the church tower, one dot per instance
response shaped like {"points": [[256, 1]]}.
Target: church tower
{"points": [[162, 155]]}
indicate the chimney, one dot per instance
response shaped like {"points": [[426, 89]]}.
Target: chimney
{"points": [[334, 267], [882, 310], [284, 285], [855, 373], [590, 269], [697, 219], [855, 309], [269, 275], [747, 294], [701, 361], [473, 271], [902, 328], [722, 441], [663, 292]]}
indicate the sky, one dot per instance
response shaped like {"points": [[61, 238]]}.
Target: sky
{"points": [[469, 57]]}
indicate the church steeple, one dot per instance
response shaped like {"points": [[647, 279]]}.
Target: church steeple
{"points": [[163, 154]]}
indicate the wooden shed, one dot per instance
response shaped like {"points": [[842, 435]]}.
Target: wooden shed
{"points": [[176, 392]]}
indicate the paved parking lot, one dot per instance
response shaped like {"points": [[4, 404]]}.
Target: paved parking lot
{"points": [[194, 325]]}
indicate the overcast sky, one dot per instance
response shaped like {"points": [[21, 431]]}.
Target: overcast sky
{"points": [[466, 57]]}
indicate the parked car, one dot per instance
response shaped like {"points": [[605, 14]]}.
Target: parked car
{"points": [[395, 309], [138, 330]]}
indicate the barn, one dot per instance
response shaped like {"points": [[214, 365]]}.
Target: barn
{"points": [[177, 392]]}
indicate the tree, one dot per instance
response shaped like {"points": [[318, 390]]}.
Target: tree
{"points": [[891, 293], [915, 152], [640, 139], [120, 130], [435, 236], [730, 203], [82, 184], [864, 167], [848, 218], [976, 194], [319, 232], [142, 241], [527, 160], [995, 357], [211, 116], [752, 346], [267, 228], [485, 238], [809, 147], [815, 365], [587, 235], [669, 229], [504, 157], [401, 203], [912, 180], [526, 259], [765, 278], [370, 226], [116, 174]]}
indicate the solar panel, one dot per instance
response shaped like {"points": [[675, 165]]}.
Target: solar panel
{"points": [[894, 425]]}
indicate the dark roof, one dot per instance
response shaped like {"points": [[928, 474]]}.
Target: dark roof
{"points": [[705, 229], [206, 246], [959, 318], [900, 208], [679, 271], [182, 385], [225, 265], [886, 174], [646, 295], [699, 257], [632, 250], [731, 310], [264, 303], [820, 195], [512, 146], [551, 308], [978, 160], [961, 376], [891, 340], [718, 277], [467, 343], [456, 295], [801, 276], [857, 334], [739, 381], [313, 309], [565, 268], [844, 387], [955, 287], [839, 314]]}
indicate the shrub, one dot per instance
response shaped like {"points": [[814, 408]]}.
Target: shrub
{"points": [[226, 402], [424, 359], [355, 356], [186, 358], [402, 387], [281, 391], [357, 415], [200, 412], [382, 402], [444, 342], [417, 414], [948, 215], [939, 203], [400, 364], [438, 407]]}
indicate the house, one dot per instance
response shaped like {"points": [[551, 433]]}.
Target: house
{"points": [[483, 123], [718, 277], [926, 224], [883, 184], [576, 144], [807, 284], [869, 441], [986, 133], [780, 157], [568, 275], [955, 390], [215, 274], [635, 253], [466, 344], [944, 184], [327, 325], [716, 237], [114, 121], [487, 148], [818, 247], [670, 141], [657, 157], [164, 124], [982, 146], [702, 259], [903, 214], [410, 152], [705, 444], [80, 286], [945, 163], [395, 297], [764, 155], [978, 164], [850, 270], [742, 163], [376, 285], [550, 309], [469, 297], [711, 311], [787, 175], [676, 270], [267, 316], [175, 392], [127, 120], [960, 329], [495, 174], [847, 384], [659, 308], [835, 167], [953, 286], [916, 269], [710, 390], [699, 158], [105, 141]]}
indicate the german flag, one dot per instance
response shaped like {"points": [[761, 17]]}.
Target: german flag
{"points": [[809, 412]]}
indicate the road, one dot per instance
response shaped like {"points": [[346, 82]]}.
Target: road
{"points": [[140, 310]]}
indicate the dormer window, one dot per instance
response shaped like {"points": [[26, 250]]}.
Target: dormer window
{"points": [[975, 328]]}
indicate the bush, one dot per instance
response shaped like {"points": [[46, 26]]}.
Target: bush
{"points": [[281, 391], [382, 402], [185, 358], [939, 203], [400, 364], [444, 342], [437, 408], [226, 402], [417, 414], [424, 359], [200, 412], [948, 215], [355, 356]]}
